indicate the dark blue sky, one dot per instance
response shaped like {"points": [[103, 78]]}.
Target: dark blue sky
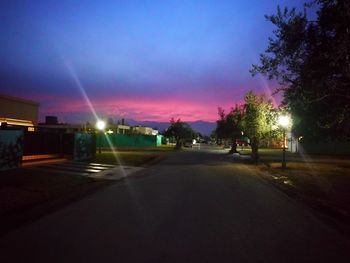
{"points": [[146, 60]]}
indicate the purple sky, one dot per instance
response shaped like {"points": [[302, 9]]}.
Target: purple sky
{"points": [[144, 60]]}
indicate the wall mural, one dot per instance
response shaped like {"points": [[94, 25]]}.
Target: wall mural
{"points": [[11, 149]]}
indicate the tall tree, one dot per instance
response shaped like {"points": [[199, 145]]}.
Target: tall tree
{"points": [[229, 126], [258, 120], [180, 131], [311, 61]]}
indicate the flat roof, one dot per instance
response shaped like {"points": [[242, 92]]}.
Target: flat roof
{"points": [[34, 103]]}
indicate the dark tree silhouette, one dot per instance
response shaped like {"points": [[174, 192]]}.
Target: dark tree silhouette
{"points": [[311, 61], [229, 127], [180, 131]]}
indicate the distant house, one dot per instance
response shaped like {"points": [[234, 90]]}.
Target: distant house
{"points": [[16, 112], [142, 130], [64, 128], [52, 124], [122, 129], [126, 129]]}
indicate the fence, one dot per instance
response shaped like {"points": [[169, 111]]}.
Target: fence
{"points": [[84, 146], [41, 144], [11, 149], [20, 145], [129, 140], [331, 148]]}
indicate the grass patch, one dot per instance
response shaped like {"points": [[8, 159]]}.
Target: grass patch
{"points": [[320, 181], [126, 158], [132, 157], [323, 182], [267, 152]]}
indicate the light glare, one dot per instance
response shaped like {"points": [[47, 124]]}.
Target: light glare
{"points": [[284, 121], [100, 125]]}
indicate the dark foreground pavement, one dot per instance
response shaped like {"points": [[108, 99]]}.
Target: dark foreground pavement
{"points": [[196, 206]]}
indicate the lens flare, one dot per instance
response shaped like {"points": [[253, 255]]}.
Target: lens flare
{"points": [[80, 87], [132, 191], [99, 123]]}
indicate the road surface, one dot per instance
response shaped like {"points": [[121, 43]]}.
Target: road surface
{"points": [[195, 206]]}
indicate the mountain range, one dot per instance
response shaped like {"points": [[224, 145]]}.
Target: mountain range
{"points": [[204, 127]]}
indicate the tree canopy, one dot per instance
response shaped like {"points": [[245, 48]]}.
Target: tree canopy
{"points": [[258, 120], [180, 131], [311, 61], [228, 126]]}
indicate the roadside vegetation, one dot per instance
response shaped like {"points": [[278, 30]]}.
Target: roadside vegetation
{"points": [[320, 181], [308, 55], [179, 131], [256, 119]]}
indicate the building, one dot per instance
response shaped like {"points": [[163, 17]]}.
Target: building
{"points": [[126, 129], [63, 128], [52, 124], [122, 129], [144, 130], [51, 120], [18, 112]]}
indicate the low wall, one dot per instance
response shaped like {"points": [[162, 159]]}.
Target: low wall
{"points": [[327, 148], [129, 140], [84, 146], [11, 149]]}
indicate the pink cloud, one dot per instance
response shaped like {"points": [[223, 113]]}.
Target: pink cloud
{"points": [[188, 105], [138, 108]]}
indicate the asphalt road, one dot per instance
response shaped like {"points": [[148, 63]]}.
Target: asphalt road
{"points": [[195, 206]]}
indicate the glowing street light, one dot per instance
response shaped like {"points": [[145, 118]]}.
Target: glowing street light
{"points": [[100, 125], [284, 122]]}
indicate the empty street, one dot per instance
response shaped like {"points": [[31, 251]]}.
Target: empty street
{"points": [[195, 206]]}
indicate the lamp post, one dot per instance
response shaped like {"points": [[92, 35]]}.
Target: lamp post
{"points": [[100, 125], [284, 122]]}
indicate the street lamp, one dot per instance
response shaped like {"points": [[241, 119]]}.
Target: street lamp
{"points": [[284, 122], [100, 125]]}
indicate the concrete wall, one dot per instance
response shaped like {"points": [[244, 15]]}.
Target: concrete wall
{"points": [[326, 148], [84, 146], [129, 140], [11, 149], [17, 108]]}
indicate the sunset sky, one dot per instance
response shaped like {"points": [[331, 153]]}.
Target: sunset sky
{"points": [[142, 60]]}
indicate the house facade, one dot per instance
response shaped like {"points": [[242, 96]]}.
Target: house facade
{"points": [[16, 111]]}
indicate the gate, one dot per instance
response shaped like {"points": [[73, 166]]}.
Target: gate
{"points": [[44, 144]]}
